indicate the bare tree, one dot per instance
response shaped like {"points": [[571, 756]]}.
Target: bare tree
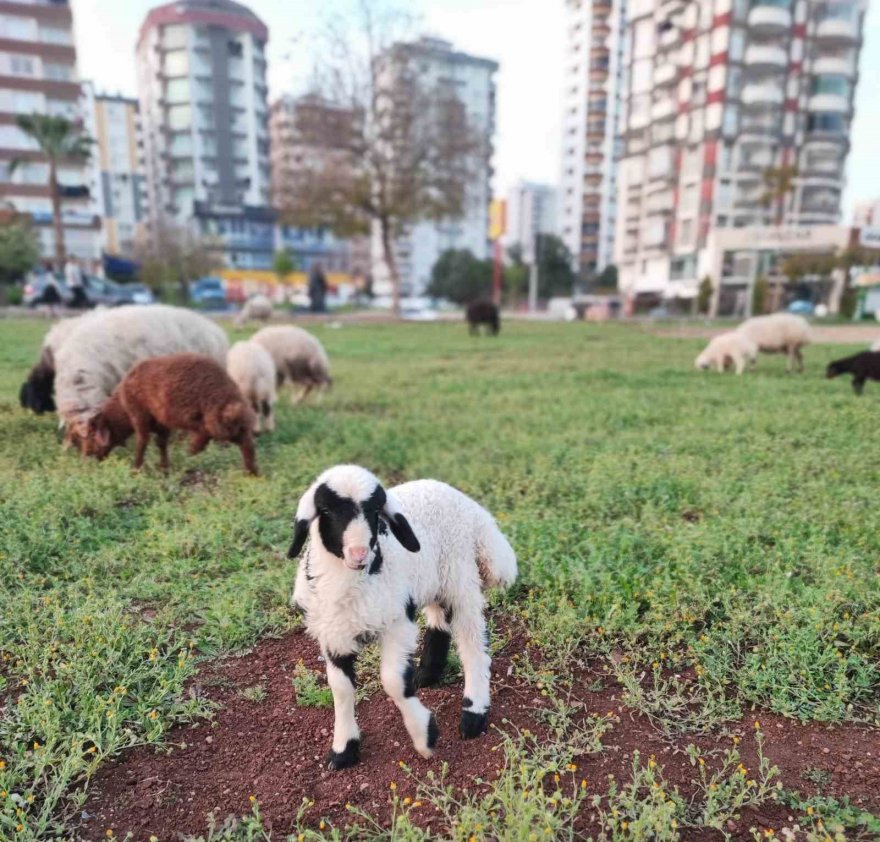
{"points": [[174, 255], [387, 149]]}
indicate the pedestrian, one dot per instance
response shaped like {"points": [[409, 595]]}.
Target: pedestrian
{"points": [[74, 277], [51, 295], [318, 289]]}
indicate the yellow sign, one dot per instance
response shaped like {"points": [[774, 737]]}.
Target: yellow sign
{"points": [[497, 219]]}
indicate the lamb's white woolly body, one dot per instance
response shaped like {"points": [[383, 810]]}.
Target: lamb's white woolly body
{"points": [[298, 356], [735, 347], [461, 548], [779, 333], [251, 367], [257, 307], [100, 351]]}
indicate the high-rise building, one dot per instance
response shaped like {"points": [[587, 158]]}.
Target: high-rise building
{"points": [[590, 130], [531, 210], [202, 89], [38, 74], [724, 99], [471, 80], [117, 168]]}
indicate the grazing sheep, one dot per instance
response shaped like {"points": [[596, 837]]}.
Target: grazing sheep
{"points": [[189, 392], [100, 351], [875, 346], [257, 307], [483, 312], [779, 333], [863, 366], [356, 583], [732, 348], [37, 391], [251, 368], [298, 356]]}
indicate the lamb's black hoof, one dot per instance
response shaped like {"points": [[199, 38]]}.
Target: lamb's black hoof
{"points": [[433, 732], [473, 724], [349, 756]]}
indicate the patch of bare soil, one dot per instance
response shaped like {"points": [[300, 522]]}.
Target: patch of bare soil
{"points": [[276, 751]]}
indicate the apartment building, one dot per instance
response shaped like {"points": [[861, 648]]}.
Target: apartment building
{"points": [[202, 91], [38, 74], [717, 93], [594, 68], [117, 169]]}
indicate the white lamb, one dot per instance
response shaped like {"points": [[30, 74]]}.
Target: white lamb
{"points": [[250, 366], [356, 583], [298, 356], [875, 346], [257, 307], [732, 348], [779, 333], [99, 352]]}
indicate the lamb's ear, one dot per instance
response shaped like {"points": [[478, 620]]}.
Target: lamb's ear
{"points": [[399, 525], [305, 514]]}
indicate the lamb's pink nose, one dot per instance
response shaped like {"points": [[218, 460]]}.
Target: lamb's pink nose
{"points": [[357, 553]]}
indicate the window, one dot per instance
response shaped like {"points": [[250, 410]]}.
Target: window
{"points": [[21, 102], [12, 137], [235, 48], [777, 4], [176, 63], [181, 144], [18, 29], [824, 121], [179, 117], [177, 90], [16, 65], [838, 85], [58, 72], [838, 11], [55, 35], [730, 121], [174, 36], [61, 108]]}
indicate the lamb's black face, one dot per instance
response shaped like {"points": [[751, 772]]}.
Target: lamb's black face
{"points": [[834, 370], [36, 391]]}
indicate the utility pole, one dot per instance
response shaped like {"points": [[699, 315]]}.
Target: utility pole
{"points": [[533, 274]]}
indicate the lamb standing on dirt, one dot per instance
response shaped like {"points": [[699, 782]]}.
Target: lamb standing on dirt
{"points": [[732, 348], [298, 356], [250, 366], [37, 392], [777, 334], [863, 366], [189, 392], [258, 307], [356, 582], [102, 349]]}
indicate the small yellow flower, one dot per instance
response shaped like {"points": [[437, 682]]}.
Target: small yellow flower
{"points": [[401, 764], [624, 825], [323, 824], [37, 746], [674, 824], [584, 783], [473, 838], [572, 767], [2, 764], [757, 726], [93, 750], [30, 798], [769, 832], [153, 714], [154, 838], [556, 778], [736, 741], [19, 828], [301, 837], [810, 811], [109, 833], [252, 798], [702, 762], [417, 803], [393, 785]]}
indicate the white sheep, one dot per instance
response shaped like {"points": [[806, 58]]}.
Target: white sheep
{"points": [[257, 307], [356, 583], [779, 333], [732, 348], [250, 366], [875, 346], [100, 351], [298, 356]]}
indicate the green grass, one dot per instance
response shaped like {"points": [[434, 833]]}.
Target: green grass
{"points": [[728, 525]]}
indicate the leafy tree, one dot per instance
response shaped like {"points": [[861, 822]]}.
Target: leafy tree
{"points": [[460, 277], [60, 140], [174, 256], [759, 296], [19, 250], [607, 278], [704, 296], [516, 276], [386, 147], [555, 275], [283, 264]]}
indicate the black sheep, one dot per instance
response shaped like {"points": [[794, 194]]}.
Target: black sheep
{"points": [[483, 312], [36, 392], [863, 366]]}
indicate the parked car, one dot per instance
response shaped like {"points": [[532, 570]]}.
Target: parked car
{"points": [[801, 308], [208, 292], [35, 286], [97, 291]]}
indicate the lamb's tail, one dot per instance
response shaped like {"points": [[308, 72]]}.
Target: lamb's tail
{"points": [[495, 556]]}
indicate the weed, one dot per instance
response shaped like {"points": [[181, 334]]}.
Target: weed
{"points": [[309, 692], [257, 693]]}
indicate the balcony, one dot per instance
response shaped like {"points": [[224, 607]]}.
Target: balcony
{"points": [[838, 29], [665, 74], [770, 19], [763, 94], [659, 202], [760, 55], [664, 109], [835, 103], [833, 66]]}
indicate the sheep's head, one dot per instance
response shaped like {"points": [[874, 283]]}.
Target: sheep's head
{"points": [[703, 361], [36, 391], [351, 508], [97, 436], [835, 369]]}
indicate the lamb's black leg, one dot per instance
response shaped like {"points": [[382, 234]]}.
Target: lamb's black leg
{"points": [[858, 385]]}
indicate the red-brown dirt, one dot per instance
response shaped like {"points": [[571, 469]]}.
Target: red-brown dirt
{"points": [[276, 751]]}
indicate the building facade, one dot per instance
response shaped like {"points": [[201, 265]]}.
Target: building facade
{"points": [[594, 68], [117, 169], [867, 214], [531, 210], [202, 91], [716, 94], [471, 79], [38, 75]]}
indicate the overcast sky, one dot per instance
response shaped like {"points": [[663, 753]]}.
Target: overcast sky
{"points": [[524, 36]]}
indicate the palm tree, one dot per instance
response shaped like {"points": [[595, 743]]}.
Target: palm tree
{"points": [[778, 183], [60, 140]]}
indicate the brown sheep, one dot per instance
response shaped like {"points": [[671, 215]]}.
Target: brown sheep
{"points": [[178, 392]]}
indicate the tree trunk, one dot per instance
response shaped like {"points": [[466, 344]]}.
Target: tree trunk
{"points": [[391, 263], [55, 191]]}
